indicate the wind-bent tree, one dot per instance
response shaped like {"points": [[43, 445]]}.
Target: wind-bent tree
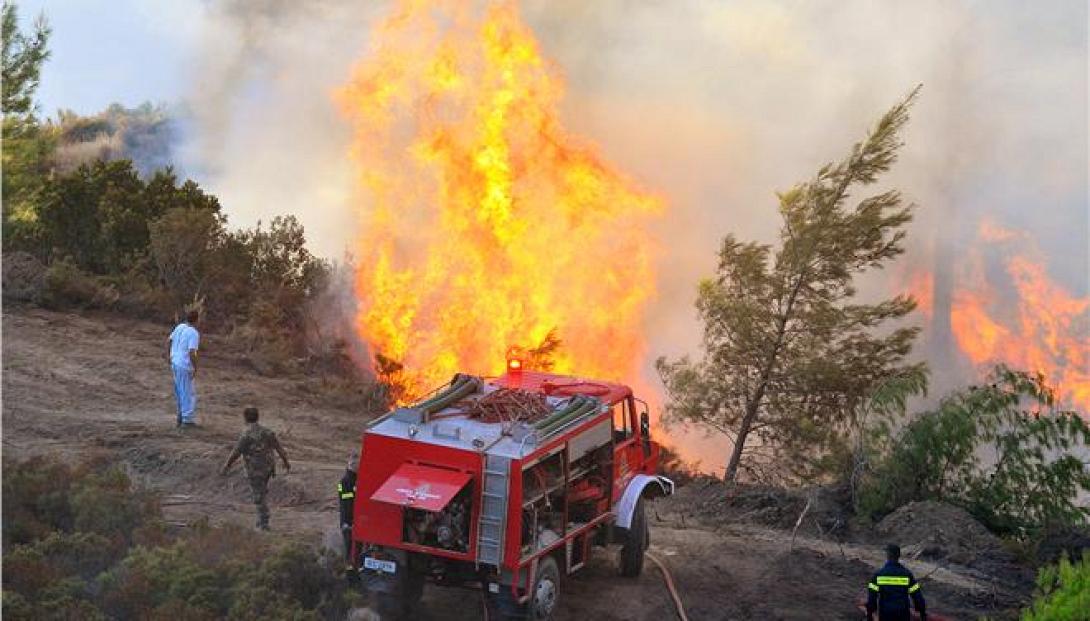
{"points": [[789, 353]]}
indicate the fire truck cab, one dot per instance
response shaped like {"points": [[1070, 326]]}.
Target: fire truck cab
{"points": [[503, 485]]}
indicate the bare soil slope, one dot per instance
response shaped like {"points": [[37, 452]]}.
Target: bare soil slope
{"points": [[97, 386]]}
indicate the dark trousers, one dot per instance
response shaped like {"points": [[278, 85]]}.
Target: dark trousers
{"points": [[346, 532], [259, 489]]}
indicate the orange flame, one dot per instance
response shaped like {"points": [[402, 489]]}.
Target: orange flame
{"points": [[1044, 330], [485, 225], [921, 286]]}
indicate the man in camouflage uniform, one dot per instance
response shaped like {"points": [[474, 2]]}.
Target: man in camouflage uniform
{"points": [[256, 446]]}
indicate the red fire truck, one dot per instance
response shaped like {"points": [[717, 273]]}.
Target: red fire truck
{"points": [[503, 485]]}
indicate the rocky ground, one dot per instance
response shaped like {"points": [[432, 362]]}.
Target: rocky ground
{"points": [[98, 386]]}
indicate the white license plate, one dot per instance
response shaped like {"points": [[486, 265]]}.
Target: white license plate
{"points": [[379, 565]]}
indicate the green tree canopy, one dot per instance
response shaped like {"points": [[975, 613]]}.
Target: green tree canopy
{"points": [[27, 149], [21, 59], [789, 353], [100, 214]]}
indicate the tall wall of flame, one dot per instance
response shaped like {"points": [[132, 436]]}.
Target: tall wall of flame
{"points": [[483, 223]]}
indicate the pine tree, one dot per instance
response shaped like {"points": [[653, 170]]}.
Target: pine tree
{"points": [[21, 61], [789, 352]]}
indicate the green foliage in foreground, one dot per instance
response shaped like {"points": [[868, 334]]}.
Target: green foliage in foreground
{"points": [[81, 543], [1003, 451], [1063, 592]]}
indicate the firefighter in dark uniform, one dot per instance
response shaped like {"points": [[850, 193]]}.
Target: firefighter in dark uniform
{"points": [[346, 493], [889, 591]]}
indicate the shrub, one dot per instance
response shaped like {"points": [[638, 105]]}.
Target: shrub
{"points": [[1063, 592], [68, 598], [81, 543], [66, 286], [42, 496], [182, 246], [16, 607], [1030, 479], [150, 246], [271, 348], [106, 503], [83, 555], [152, 577], [26, 571], [35, 500], [246, 581], [24, 277]]}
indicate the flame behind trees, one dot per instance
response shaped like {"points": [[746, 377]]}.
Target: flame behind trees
{"points": [[788, 352], [1022, 319], [1004, 308]]}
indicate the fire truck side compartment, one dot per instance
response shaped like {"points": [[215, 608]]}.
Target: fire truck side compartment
{"points": [[382, 523]]}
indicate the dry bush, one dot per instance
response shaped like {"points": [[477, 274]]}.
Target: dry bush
{"points": [[67, 286], [24, 277], [267, 347]]}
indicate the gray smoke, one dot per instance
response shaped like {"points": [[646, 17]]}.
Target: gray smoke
{"points": [[146, 134], [263, 133]]}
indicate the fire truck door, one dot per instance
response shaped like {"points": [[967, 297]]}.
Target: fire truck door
{"points": [[627, 456]]}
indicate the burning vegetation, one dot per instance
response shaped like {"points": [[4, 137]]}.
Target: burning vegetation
{"points": [[1005, 308], [481, 216]]}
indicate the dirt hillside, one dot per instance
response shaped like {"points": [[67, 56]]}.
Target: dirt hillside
{"points": [[82, 386]]}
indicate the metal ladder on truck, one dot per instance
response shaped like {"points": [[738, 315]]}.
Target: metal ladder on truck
{"points": [[492, 523]]}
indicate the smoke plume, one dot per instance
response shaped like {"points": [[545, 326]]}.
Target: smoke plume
{"points": [[146, 135]]}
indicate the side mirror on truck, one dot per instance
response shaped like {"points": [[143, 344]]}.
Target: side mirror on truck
{"points": [[645, 431]]}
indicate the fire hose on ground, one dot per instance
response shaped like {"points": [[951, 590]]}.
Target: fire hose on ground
{"points": [[669, 586], [669, 579]]}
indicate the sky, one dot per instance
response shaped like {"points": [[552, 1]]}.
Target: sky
{"points": [[125, 51]]}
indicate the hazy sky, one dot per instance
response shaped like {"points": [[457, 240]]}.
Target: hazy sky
{"points": [[126, 51]]}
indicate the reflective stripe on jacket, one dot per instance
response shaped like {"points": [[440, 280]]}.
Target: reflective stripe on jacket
{"points": [[346, 493], [890, 590]]}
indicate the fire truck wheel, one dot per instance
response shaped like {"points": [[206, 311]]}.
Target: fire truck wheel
{"points": [[635, 543], [546, 590]]}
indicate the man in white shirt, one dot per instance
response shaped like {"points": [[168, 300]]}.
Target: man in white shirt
{"points": [[184, 341]]}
